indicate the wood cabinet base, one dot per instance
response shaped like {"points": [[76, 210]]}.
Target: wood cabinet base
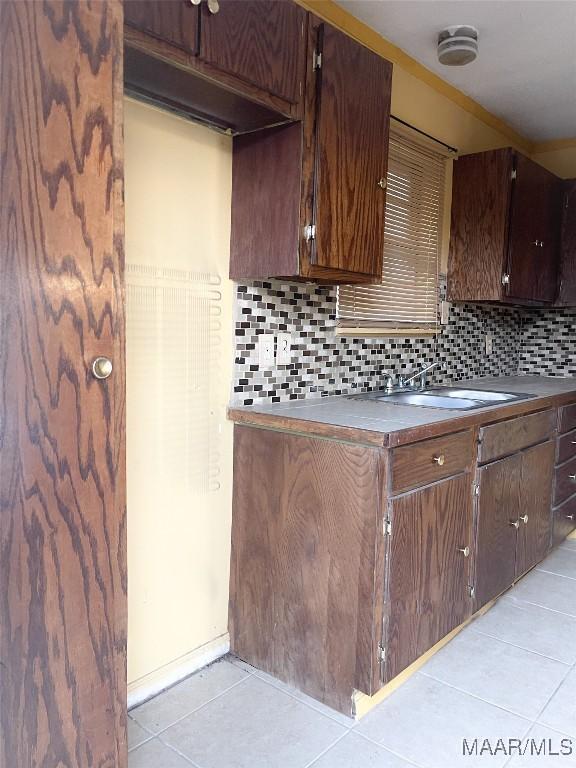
{"points": [[306, 579]]}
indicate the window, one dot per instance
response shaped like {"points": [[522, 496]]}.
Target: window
{"points": [[407, 299]]}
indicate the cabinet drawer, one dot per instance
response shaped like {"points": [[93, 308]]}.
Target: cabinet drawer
{"points": [[566, 418], [564, 481], [564, 520], [511, 436], [419, 464], [566, 447]]}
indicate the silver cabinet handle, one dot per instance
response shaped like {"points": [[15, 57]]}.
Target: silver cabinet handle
{"points": [[514, 523], [569, 517], [524, 519], [573, 442], [101, 367], [382, 183], [572, 477], [439, 460], [195, 2], [465, 551]]}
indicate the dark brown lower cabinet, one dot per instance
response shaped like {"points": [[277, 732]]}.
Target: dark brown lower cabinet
{"points": [[512, 518], [496, 527], [534, 498], [429, 578]]}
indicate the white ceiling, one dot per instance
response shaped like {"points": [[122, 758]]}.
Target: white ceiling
{"points": [[525, 72]]}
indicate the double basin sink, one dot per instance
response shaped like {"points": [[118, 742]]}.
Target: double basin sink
{"points": [[454, 398]]}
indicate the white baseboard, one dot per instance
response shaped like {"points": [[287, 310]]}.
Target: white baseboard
{"points": [[149, 685]]}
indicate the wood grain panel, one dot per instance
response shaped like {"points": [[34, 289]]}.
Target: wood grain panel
{"points": [[260, 41], [564, 520], [566, 418], [265, 223], [565, 447], [62, 469], [413, 466], [535, 219], [498, 506], [428, 575], [564, 481], [535, 506], [173, 21], [352, 124], [567, 282], [506, 437], [303, 578], [479, 225]]}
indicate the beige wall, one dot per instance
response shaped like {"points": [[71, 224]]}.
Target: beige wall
{"points": [[178, 193], [560, 161]]}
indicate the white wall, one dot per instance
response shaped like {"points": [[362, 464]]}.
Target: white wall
{"points": [[179, 442]]}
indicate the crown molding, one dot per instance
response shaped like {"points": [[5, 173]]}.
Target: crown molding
{"points": [[553, 146]]}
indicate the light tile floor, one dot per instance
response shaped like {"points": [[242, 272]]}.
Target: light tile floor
{"points": [[511, 674]]}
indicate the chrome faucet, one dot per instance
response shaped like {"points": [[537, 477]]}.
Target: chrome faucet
{"points": [[419, 375]]}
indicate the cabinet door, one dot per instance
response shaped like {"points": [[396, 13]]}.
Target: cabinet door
{"points": [[260, 41], [173, 21], [534, 233], [567, 283], [496, 527], [429, 574], [351, 154], [535, 506]]}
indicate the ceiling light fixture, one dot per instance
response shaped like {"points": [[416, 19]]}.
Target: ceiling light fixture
{"points": [[458, 45]]}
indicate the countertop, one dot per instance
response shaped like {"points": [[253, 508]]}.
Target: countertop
{"points": [[376, 422]]}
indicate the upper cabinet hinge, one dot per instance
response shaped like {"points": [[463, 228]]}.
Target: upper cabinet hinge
{"points": [[381, 653], [513, 174], [387, 528], [471, 590], [317, 60], [310, 232], [505, 279], [476, 489]]}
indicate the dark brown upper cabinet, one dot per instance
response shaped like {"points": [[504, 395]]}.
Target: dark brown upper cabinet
{"points": [[308, 199], [173, 21], [235, 65], [259, 41], [505, 227], [567, 281]]}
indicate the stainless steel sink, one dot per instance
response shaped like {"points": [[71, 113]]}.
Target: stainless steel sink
{"points": [[454, 398]]}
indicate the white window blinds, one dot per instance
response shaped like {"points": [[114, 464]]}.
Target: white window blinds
{"points": [[408, 294]]}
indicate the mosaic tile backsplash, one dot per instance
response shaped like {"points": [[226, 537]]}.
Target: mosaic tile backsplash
{"points": [[326, 364], [548, 342]]}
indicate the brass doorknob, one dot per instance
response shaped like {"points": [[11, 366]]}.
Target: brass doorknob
{"points": [[524, 519], [101, 367], [439, 459]]}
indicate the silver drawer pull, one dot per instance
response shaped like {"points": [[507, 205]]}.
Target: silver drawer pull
{"points": [[569, 517], [572, 477], [514, 523], [439, 459], [524, 519], [465, 551]]}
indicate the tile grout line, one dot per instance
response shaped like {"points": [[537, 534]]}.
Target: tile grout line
{"points": [[306, 704], [478, 698], [521, 647], [177, 751], [538, 605], [392, 751], [196, 709], [324, 751], [554, 573]]}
